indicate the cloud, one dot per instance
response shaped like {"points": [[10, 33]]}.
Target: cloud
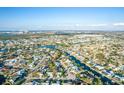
{"points": [[91, 25], [118, 24], [77, 24], [97, 25]]}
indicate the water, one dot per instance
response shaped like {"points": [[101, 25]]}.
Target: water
{"points": [[1, 64], [7, 34], [3, 50], [47, 46], [85, 67]]}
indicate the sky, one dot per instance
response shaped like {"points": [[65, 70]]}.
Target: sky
{"points": [[61, 18]]}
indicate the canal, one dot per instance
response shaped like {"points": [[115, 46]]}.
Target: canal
{"points": [[104, 79]]}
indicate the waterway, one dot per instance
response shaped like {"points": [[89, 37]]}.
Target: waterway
{"points": [[104, 79]]}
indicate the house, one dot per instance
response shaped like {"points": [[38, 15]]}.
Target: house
{"points": [[99, 67], [50, 74], [71, 75], [108, 72]]}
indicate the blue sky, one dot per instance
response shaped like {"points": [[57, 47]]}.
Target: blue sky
{"points": [[61, 18]]}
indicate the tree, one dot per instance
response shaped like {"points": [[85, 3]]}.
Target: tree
{"points": [[100, 57], [96, 81], [2, 79]]}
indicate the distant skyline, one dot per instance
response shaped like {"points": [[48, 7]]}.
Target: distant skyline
{"points": [[55, 18]]}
